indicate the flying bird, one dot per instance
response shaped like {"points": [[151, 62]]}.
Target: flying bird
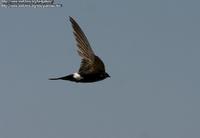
{"points": [[92, 68]]}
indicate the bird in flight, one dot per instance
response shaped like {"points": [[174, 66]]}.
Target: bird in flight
{"points": [[92, 68]]}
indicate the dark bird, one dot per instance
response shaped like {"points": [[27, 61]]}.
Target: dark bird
{"points": [[92, 68]]}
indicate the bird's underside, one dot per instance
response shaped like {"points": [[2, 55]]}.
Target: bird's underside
{"points": [[83, 79]]}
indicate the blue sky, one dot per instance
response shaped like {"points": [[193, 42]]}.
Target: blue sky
{"points": [[150, 48]]}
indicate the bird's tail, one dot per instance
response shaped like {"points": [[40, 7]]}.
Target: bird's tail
{"points": [[54, 78], [69, 77]]}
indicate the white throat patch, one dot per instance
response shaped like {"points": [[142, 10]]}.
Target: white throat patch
{"points": [[77, 76]]}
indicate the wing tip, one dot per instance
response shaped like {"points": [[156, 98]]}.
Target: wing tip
{"points": [[71, 19]]}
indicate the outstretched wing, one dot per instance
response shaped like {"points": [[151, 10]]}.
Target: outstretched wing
{"points": [[90, 64], [84, 49]]}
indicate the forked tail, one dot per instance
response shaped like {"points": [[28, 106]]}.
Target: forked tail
{"points": [[69, 77], [54, 78]]}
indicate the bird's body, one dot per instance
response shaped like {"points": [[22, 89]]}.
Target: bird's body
{"points": [[84, 79], [92, 68]]}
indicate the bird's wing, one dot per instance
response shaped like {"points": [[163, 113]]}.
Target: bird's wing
{"points": [[90, 64], [84, 49], [85, 68], [96, 68]]}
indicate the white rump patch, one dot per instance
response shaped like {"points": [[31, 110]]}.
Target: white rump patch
{"points": [[77, 76]]}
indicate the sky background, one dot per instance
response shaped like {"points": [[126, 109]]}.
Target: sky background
{"points": [[151, 49]]}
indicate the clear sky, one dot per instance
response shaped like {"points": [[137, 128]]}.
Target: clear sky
{"points": [[150, 48]]}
